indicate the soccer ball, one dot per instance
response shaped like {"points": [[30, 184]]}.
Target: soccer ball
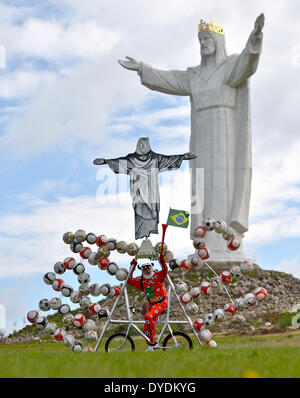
{"points": [[59, 268], [219, 315], [169, 256], [94, 309], [199, 232], [103, 252], [95, 289], [91, 238], [198, 243], [84, 278], [209, 224], [211, 344], [229, 309], [235, 271], [93, 258], [80, 235], [59, 334], [205, 288], [195, 292], [220, 227], [209, 320], [173, 264], [76, 246], [68, 237], [32, 316], [50, 327], [181, 287], [75, 297], [101, 240], [112, 268], [89, 325], [105, 289], [103, 263], [116, 291], [85, 252], [69, 262], [79, 320], [91, 336], [186, 264], [234, 244], [41, 322], [199, 325], [103, 313], [49, 278], [195, 261], [79, 268], [157, 248], [186, 298], [132, 249], [250, 299], [121, 274], [55, 303], [67, 319], [58, 284], [215, 282], [192, 308], [66, 290], [260, 293], [64, 309], [204, 253], [246, 267], [77, 346], [85, 302], [68, 340], [205, 335], [228, 234], [44, 305], [225, 277], [111, 244], [239, 303], [84, 289], [121, 247]]}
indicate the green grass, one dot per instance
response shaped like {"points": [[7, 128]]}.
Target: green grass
{"points": [[264, 356]]}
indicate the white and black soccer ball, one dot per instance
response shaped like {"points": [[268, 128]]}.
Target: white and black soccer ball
{"points": [[250, 299], [91, 238], [78, 269], [111, 244], [66, 290], [77, 346], [235, 271], [68, 237], [209, 224], [173, 264], [55, 303], [59, 268], [89, 325], [84, 289], [103, 313], [112, 268], [44, 305], [195, 292], [93, 258], [132, 249], [181, 288], [220, 227], [49, 278], [76, 246], [91, 336], [239, 303], [41, 322], [80, 235], [219, 315], [246, 267], [228, 234], [121, 274], [209, 319], [105, 289], [75, 297], [216, 282], [121, 246], [50, 327], [68, 340], [64, 309], [198, 243], [205, 335], [84, 278], [85, 302], [192, 308], [67, 319], [95, 289]]}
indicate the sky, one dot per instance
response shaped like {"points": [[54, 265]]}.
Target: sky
{"points": [[64, 100]]}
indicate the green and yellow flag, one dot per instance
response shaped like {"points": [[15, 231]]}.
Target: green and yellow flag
{"points": [[178, 218]]}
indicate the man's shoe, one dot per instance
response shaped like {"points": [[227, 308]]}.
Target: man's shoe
{"points": [[152, 347]]}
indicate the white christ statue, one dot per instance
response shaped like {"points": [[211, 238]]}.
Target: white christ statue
{"points": [[220, 128]]}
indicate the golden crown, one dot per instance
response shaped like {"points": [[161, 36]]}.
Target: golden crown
{"points": [[212, 26]]}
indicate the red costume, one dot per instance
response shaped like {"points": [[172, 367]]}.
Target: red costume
{"points": [[155, 291]]}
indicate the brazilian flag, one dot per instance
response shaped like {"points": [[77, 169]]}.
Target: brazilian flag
{"points": [[178, 218]]}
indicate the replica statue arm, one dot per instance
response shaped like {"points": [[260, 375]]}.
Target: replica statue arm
{"points": [[173, 162], [247, 62], [174, 82], [118, 165]]}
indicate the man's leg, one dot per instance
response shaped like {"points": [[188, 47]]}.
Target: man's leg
{"points": [[150, 318]]}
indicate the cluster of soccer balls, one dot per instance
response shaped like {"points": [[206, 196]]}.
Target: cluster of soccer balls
{"points": [[81, 296], [220, 282]]}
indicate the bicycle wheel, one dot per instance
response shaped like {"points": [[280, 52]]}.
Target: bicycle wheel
{"points": [[119, 342], [177, 340]]}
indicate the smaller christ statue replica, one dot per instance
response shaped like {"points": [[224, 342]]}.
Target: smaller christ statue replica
{"points": [[143, 167]]}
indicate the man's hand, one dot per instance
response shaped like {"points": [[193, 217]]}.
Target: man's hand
{"points": [[131, 64], [133, 262], [99, 161], [190, 155], [259, 24]]}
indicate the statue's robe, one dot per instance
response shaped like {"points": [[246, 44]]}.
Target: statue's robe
{"points": [[144, 188], [220, 132]]}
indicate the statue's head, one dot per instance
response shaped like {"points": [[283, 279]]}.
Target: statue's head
{"points": [[212, 40], [143, 146]]}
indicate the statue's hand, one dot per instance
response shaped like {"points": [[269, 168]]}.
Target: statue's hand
{"points": [[190, 155], [99, 161], [259, 24], [131, 64]]}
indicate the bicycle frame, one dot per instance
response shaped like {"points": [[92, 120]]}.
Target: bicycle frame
{"points": [[132, 323]]}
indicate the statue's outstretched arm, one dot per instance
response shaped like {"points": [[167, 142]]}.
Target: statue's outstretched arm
{"points": [[99, 161]]}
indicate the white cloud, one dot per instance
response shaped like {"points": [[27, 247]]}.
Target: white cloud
{"points": [[290, 266]]}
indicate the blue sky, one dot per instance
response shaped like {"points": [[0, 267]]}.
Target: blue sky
{"points": [[64, 100]]}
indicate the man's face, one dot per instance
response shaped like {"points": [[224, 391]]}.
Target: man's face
{"points": [[207, 43], [143, 146], [148, 272]]}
